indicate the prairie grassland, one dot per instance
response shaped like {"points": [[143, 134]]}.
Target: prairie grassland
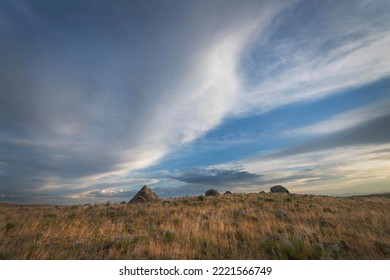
{"points": [[238, 226]]}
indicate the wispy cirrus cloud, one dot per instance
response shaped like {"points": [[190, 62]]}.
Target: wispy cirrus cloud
{"points": [[320, 56], [90, 93], [85, 101], [344, 120], [371, 132]]}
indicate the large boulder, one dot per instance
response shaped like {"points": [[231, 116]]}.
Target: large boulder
{"points": [[228, 192], [144, 195], [212, 192], [279, 189]]}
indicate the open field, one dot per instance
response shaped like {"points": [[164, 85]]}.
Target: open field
{"points": [[238, 226]]}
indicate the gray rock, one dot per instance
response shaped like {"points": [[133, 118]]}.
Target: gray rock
{"points": [[144, 195], [279, 189], [212, 192]]}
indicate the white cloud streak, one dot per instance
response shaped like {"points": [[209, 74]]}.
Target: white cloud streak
{"points": [[84, 113], [343, 120], [309, 69], [103, 115]]}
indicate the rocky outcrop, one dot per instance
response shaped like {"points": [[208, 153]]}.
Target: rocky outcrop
{"points": [[228, 192], [279, 189], [212, 192], [144, 195]]}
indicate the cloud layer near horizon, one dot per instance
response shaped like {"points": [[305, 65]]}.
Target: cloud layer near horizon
{"points": [[90, 93]]}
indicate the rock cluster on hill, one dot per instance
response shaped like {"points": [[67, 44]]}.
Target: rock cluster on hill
{"points": [[212, 192], [279, 189], [144, 195], [228, 192]]}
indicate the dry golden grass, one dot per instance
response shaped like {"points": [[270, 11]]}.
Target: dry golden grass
{"points": [[238, 226]]}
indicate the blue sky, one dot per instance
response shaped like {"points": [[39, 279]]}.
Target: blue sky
{"points": [[98, 98]]}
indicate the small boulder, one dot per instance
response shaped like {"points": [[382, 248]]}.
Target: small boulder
{"points": [[212, 192], [279, 189], [144, 195]]}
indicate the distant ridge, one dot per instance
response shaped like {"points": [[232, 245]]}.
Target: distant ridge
{"points": [[8, 204], [386, 194], [4, 204]]}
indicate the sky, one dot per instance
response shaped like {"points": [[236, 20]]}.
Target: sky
{"points": [[98, 98]]}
